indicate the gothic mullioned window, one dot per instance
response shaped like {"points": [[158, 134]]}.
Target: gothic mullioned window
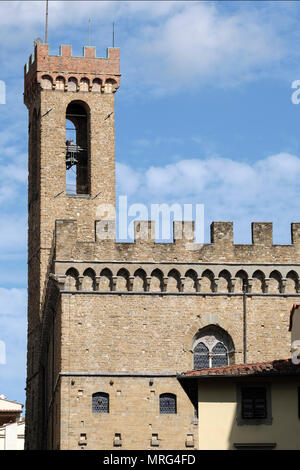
{"points": [[212, 348], [100, 402], [167, 403]]}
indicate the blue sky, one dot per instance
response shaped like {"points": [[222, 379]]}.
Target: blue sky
{"points": [[203, 115]]}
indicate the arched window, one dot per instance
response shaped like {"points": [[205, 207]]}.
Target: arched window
{"points": [[201, 356], [219, 355], [167, 403], [212, 348], [77, 148], [100, 402]]}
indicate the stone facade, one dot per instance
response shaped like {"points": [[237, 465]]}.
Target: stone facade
{"points": [[122, 318]]}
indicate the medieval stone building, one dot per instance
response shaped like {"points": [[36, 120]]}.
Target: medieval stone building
{"points": [[111, 325]]}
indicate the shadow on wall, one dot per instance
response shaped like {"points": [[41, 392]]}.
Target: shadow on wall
{"points": [[221, 423]]}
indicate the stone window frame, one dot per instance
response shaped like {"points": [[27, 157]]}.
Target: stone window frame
{"points": [[211, 353], [254, 421], [170, 395], [210, 336], [104, 395]]}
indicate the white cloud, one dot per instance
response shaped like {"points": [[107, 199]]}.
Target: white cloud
{"points": [[13, 302], [13, 164], [169, 46], [128, 180], [202, 43], [266, 190], [13, 235], [76, 13]]}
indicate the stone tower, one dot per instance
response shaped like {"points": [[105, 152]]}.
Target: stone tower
{"points": [[80, 91], [112, 325]]}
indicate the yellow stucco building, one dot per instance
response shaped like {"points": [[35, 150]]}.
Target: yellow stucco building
{"points": [[248, 406]]}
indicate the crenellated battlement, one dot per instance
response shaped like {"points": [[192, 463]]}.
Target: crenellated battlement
{"points": [[69, 73], [183, 249]]}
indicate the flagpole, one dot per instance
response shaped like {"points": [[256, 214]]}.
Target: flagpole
{"points": [[46, 29]]}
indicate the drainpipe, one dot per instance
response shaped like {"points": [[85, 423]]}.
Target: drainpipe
{"points": [[52, 384], [245, 321]]}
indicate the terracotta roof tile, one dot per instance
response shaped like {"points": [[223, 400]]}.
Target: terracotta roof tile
{"points": [[272, 368]]}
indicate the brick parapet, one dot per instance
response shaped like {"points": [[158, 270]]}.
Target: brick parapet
{"points": [[88, 68], [183, 249]]}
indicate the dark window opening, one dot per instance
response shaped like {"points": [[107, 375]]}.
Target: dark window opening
{"points": [[254, 403], [201, 357], [167, 403], [100, 402], [77, 149], [219, 355], [34, 167]]}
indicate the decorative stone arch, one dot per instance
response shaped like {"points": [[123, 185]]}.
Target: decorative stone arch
{"points": [[196, 325], [110, 85], [139, 282], [224, 282], [72, 84], [89, 280], [148, 269], [97, 85], [46, 82], [214, 341], [241, 281], [274, 283], [72, 279], [122, 280], [208, 281], [174, 281], [84, 84], [60, 83], [258, 281], [156, 284], [292, 282], [190, 284], [105, 282]]}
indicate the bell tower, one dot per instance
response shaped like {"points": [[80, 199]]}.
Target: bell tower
{"points": [[71, 153]]}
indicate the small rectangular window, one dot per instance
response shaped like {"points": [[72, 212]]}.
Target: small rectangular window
{"points": [[254, 403], [100, 402], [167, 403]]}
